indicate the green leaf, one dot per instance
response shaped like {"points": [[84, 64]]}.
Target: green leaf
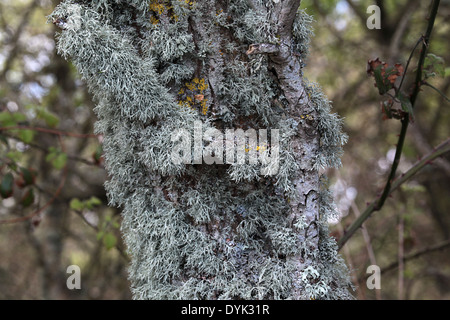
{"points": [[447, 72], [26, 135], [429, 74], [98, 154], [28, 198], [50, 118], [435, 65], [60, 161], [57, 158], [382, 89], [28, 176], [92, 202], [100, 234], [19, 117], [11, 119], [14, 155], [95, 201], [76, 204], [52, 151], [388, 72], [406, 105], [7, 185], [3, 139], [109, 240], [6, 119]]}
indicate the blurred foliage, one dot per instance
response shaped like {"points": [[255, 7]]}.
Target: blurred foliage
{"points": [[52, 175], [51, 170]]}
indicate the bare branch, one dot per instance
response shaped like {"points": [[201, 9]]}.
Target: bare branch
{"points": [[51, 131], [45, 206], [389, 186], [440, 246], [15, 38], [288, 10], [437, 152]]}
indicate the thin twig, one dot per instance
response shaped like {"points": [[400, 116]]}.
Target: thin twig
{"points": [[51, 131], [16, 36], [401, 26], [437, 90], [422, 145], [411, 256], [43, 149], [368, 243], [401, 257], [45, 206], [409, 61], [437, 152]]}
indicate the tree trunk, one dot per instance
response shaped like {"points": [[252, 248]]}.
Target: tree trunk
{"points": [[174, 81]]}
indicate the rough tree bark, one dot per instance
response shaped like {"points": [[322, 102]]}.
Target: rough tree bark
{"points": [[220, 230]]}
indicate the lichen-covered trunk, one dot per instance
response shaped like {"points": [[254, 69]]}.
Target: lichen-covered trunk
{"points": [[181, 83]]}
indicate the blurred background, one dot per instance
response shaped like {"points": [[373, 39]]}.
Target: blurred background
{"points": [[54, 212]]}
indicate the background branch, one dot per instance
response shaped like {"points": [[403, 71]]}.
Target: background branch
{"points": [[408, 257], [378, 204], [437, 152], [15, 38]]}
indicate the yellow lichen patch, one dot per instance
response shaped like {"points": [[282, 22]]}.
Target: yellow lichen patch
{"points": [[202, 86], [190, 86], [158, 8], [190, 3], [154, 20], [307, 117], [193, 95], [204, 106], [184, 104], [260, 148]]}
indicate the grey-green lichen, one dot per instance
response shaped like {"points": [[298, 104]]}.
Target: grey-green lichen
{"points": [[200, 231]]}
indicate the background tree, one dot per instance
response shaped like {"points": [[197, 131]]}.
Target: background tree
{"points": [[413, 223]]}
